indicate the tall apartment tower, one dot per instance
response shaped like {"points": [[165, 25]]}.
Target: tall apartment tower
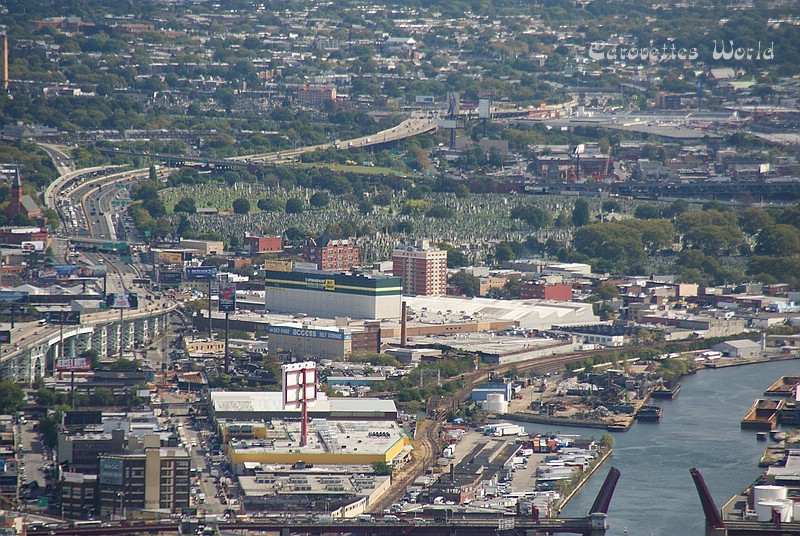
{"points": [[422, 267], [4, 62]]}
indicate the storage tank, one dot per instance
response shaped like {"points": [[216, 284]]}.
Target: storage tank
{"points": [[767, 492], [764, 510], [496, 403]]}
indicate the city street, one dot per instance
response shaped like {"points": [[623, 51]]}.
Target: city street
{"points": [[32, 454]]}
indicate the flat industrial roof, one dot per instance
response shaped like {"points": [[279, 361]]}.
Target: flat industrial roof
{"points": [[325, 437], [272, 402], [537, 314]]}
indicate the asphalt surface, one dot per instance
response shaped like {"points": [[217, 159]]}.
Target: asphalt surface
{"points": [[32, 454]]}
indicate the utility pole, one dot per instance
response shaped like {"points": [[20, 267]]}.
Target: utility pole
{"points": [[121, 332], [227, 351], [209, 309]]}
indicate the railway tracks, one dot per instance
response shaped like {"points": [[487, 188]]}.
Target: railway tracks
{"points": [[427, 445]]}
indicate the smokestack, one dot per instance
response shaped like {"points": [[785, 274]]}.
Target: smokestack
{"points": [[403, 325]]}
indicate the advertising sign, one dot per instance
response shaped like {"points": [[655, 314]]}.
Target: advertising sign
{"points": [[5, 337], [453, 103], [227, 297], [201, 273], [484, 106], [170, 278], [110, 472], [309, 333], [424, 99], [73, 364], [33, 245], [122, 300], [299, 382], [62, 272], [169, 257], [8, 297], [69, 318]]}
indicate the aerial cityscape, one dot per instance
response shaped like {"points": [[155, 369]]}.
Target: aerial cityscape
{"points": [[399, 268]]}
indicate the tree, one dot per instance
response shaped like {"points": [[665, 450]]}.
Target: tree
{"points": [[580, 213], [455, 258], [647, 212], [381, 468], [607, 291], [48, 426], [365, 206], [779, 241], [270, 204], [12, 397], [439, 212], [753, 220], [320, 199], [534, 216], [466, 284], [611, 205], [103, 396], [503, 252], [294, 205], [187, 204], [241, 206]]}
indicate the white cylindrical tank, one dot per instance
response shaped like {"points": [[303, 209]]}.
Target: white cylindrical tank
{"points": [[766, 492], [496, 403], [764, 510]]}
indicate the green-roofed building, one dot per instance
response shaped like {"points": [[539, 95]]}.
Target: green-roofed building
{"points": [[332, 294]]}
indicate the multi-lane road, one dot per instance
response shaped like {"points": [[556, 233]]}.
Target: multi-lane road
{"points": [[417, 124]]}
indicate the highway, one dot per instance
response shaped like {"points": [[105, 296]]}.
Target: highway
{"points": [[418, 123]]}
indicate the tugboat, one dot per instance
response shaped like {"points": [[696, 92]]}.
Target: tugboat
{"points": [[649, 413]]}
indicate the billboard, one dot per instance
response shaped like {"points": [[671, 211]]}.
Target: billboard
{"points": [[33, 245], [309, 333], [10, 297], [425, 99], [278, 266], [299, 383], [170, 278], [62, 272], [169, 257], [122, 300], [73, 364], [110, 471], [5, 337], [201, 273], [484, 108], [227, 297], [453, 102], [69, 318]]}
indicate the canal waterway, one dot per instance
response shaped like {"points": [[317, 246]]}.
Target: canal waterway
{"points": [[699, 428]]}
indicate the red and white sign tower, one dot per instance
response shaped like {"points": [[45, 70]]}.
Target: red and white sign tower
{"points": [[300, 388]]}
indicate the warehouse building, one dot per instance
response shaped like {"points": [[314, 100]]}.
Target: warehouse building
{"points": [[344, 494], [531, 314], [265, 405], [740, 348], [349, 442], [303, 340], [328, 295]]}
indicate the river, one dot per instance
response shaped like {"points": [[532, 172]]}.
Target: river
{"points": [[655, 494]]}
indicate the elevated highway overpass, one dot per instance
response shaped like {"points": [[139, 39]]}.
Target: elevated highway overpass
{"points": [[35, 347]]}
